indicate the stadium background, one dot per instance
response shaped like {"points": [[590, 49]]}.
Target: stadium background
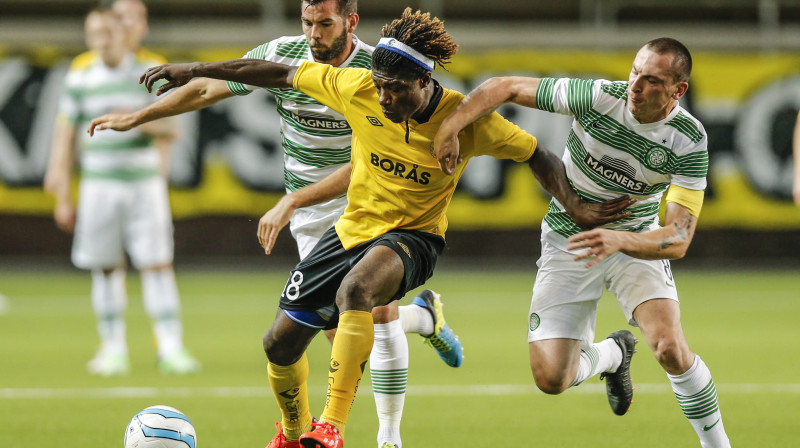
{"points": [[740, 309], [226, 170]]}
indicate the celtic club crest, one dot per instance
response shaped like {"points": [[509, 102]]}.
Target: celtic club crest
{"points": [[533, 321], [656, 157]]}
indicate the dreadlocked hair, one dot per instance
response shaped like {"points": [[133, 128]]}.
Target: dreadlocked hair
{"points": [[420, 32]]}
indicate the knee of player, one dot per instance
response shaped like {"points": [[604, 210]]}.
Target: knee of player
{"points": [[671, 353], [267, 342], [353, 295], [279, 352], [384, 314], [549, 383]]}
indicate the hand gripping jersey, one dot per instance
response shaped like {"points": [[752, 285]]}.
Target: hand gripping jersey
{"points": [[610, 154]]}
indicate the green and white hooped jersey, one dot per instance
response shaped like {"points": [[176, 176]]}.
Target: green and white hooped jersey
{"points": [[609, 153], [92, 89], [315, 139]]}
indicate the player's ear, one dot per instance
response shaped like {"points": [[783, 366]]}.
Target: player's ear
{"points": [[425, 80], [352, 22], [683, 86]]}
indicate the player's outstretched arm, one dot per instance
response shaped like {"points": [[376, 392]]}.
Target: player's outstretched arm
{"points": [[331, 187], [255, 72], [485, 99], [198, 94], [796, 146], [669, 242], [551, 174]]}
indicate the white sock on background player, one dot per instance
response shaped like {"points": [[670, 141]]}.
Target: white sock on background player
{"points": [[162, 303], [109, 301]]}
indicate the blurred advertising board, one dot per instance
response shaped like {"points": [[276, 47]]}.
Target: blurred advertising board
{"points": [[228, 160]]}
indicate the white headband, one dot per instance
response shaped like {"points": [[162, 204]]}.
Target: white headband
{"points": [[402, 49]]}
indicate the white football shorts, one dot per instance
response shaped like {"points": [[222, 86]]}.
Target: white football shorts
{"points": [[566, 293], [309, 223], [115, 217]]}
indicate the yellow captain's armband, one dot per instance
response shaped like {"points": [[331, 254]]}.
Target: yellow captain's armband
{"points": [[691, 199]]}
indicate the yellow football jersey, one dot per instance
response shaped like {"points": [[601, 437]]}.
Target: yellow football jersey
{"points": [[394, 184]]}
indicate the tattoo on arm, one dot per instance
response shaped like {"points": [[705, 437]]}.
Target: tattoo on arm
{"points": [[682, 233], [683, 226]]}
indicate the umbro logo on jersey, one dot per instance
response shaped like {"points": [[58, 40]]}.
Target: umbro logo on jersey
{"points": [[374, 121]]}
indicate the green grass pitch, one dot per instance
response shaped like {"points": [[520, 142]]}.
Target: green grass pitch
{"points": [[743, 324]]}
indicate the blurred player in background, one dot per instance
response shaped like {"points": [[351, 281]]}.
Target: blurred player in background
{"points": [[123, 202], [133, 17], [796, 151], [389, 238], [628, 137], [316, 141]]}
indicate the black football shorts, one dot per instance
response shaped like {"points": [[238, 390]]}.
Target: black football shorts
{"points": [[309, 296]]}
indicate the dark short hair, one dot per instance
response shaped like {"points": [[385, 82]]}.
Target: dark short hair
{"points": [[682, 59], [345, 7]]}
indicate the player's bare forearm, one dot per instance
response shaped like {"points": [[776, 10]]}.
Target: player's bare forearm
{"points": [[674, 239], [669, 242], [196, 95], [549, 171], [488, 96], [485, 99], [163, 129], [58, 177], [276, 218], [551, 174], [246, 71], [331, 187]]}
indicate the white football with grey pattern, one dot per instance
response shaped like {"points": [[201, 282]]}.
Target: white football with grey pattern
{"points": [[160, 427]]}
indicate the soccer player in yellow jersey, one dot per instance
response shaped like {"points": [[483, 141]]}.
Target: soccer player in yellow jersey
{"points": [[392, 231], [316, 141]]}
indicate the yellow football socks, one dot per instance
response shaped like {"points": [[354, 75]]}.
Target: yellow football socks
{"points": [[349, 354], [291, 391]]}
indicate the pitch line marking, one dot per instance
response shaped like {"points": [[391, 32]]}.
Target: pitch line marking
{"points": [[428, 390]]}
